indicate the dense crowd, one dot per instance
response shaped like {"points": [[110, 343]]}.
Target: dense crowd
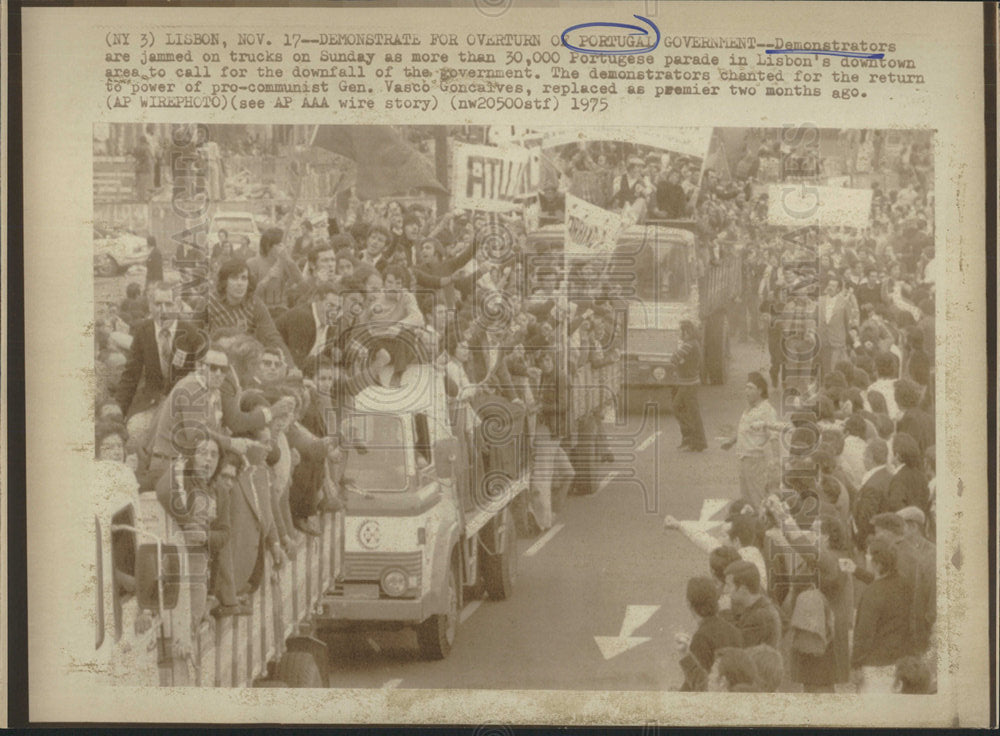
{"points": [[614, 175], [827, 578], [227, 400]]}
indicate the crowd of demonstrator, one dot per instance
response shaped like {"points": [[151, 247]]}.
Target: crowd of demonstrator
{"points": [[828, 579], [226, 400]]}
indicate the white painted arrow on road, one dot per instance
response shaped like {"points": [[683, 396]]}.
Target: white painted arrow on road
{"points": [[635, 616]]}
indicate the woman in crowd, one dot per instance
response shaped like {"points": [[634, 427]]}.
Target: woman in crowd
{"points": [[200, 503], [110, 440], [233, 304]]}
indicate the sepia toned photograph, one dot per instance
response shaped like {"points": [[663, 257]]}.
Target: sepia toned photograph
{"points": [[495, 407], [564, 363]]}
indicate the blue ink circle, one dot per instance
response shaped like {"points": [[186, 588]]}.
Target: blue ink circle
{"points": [[639, 29]]}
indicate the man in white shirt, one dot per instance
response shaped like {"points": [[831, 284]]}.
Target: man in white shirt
{"points": [[755, 445], [852, 458], [886, 367]]}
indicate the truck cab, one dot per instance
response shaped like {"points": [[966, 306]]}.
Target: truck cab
{"points": [[412, 526], [659, 269]]}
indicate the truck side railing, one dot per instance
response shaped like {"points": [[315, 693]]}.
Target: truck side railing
{"points": [[720, 284], [236, 650]]}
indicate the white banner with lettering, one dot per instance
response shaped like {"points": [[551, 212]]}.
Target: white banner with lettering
{"points": [[590, 229], [802, 205], [687, 141], [487, 178]]}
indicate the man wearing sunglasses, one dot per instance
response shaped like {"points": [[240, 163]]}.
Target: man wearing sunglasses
{"points": [[192, 410]]}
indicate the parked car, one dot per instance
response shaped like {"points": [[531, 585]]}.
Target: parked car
{"points": [[116, 250], [241, 227]]}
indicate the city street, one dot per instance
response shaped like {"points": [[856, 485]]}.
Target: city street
{"points": [[607, 569], [607, 557]]}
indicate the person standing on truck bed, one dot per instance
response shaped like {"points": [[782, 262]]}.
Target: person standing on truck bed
{"points": [[687, 360], [630, 185], [274, 272]]}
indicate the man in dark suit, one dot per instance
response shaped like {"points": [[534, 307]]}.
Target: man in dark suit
{"points": [[872, 499], [838, 314], [310, 329], [159, 356]]}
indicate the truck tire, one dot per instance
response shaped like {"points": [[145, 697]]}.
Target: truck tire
{"points": [[500, 570], [300, 669], [436, 635], [715, 349]]}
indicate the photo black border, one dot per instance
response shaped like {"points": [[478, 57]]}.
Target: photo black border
{"points": [[16, 594]]}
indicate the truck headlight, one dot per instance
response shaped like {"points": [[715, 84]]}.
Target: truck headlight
{"points": [[394, 582], [659, 373]]}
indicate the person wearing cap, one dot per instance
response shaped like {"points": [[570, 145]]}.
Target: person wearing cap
{"points": [[925, 580], [713, 633], [687, 361], [754, 442]]}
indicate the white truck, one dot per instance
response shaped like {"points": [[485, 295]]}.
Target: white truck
{"points": [[415, 536], [423, 525]]}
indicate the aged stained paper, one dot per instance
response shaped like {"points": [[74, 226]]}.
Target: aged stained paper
{"points": [[71, 100]]}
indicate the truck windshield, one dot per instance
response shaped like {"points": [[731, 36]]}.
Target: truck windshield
{"points": [[374, 453], [660, 266]]}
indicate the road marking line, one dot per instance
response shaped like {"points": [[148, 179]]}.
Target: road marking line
{"points": [[469, 610], [606, 482], [374, 645], [648, 441], [393, 683], [533, 549]]}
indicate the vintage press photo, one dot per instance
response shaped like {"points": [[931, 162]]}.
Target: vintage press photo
{"points": [[452, 372]]}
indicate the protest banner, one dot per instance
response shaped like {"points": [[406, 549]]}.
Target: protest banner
{"points": [[487, 178], [801, 205], [590, 229]]}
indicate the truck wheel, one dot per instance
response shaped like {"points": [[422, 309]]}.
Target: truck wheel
{"points": [[436, 635], [500, 570], [299, 669]]}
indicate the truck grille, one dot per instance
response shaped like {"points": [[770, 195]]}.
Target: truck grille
{"points": [[371, 565], [652, 342]]}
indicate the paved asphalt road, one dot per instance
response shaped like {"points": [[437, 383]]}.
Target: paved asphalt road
{"points": [[607, 552]]}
